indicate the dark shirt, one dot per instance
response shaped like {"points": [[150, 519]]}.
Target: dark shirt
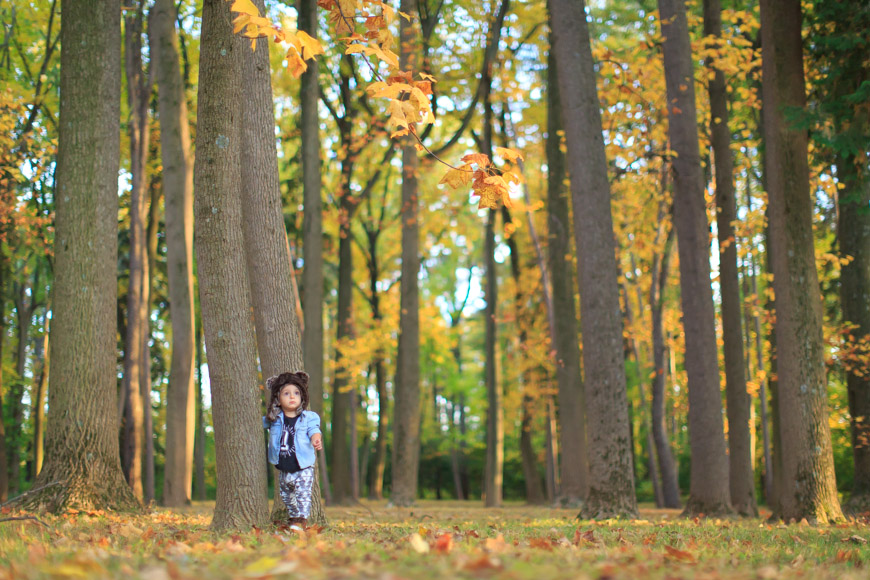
{"points": [[287, 452]]}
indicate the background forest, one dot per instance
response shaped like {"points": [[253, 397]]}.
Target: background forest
{"points": [[494, 335]]}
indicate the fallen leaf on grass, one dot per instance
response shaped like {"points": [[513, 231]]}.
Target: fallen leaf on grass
{"points": [[496, 544], [541, 543], [855, 539], [679, 555], [483, 564], [584, 537], [418, 543], [269, 566], [444, 543]]}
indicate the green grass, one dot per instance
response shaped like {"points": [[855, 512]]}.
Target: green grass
{"points": [[431, 540]]}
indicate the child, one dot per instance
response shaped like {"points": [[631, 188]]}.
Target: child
{"points": [[294, 435]]}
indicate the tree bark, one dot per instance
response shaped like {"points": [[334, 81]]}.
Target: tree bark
{"points": [[199, 442], [4, 473], [739, 404], [145, 374], [708, 488], [223, 283], [81, 466], [177, 157], [809, 487], [406, 411], [574, 468], [41, 356], [493, 470], [611, 479]]}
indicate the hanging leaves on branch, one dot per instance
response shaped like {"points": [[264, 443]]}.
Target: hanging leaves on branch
{"points": [[407, 97]]}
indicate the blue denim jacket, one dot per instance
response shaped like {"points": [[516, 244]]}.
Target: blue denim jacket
{"points": [[307, 425]]}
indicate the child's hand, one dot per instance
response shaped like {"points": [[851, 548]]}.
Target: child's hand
{"points": [[317, 441]]}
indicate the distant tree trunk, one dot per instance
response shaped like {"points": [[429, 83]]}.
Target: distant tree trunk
{"points": [[611, 479], [223, 282], [312, 223], [4, 473], [809, 486], [493, 475], [708, 489], [199, 440], [741, 478], [41, 358], [23, 317], [552, 479], [406, 411], [660, 267], [854, 236], [137, 315], [574, 469], [177, 157], [81, 466], [145, 381]]}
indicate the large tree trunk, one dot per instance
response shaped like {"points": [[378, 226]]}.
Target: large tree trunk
{"points": [[406, 411], [137, 314], [574, 468], [809, 487], [81, 447], [177, 157], [279, 340], [611, 479], [223, 283], [854, 236], [741, 480], [708, 488]]}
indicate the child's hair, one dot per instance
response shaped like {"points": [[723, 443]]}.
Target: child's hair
{"points": [[278, 382]]}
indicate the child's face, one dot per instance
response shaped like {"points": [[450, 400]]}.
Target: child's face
{"points": [[290, 399]]}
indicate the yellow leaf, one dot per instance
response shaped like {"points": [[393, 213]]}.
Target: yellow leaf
{"points": [[240, 22], [508, 154], [245, 7], [456, 178], [310, 46], [480, 159], [295, 63], [429, 78], [418, 543], [355, 48]]}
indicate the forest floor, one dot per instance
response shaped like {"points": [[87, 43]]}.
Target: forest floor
{"points": [[431, 540]]}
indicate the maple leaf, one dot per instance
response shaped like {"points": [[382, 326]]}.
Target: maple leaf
{"points": [[508, 154], [456, 178], [479, 159], [308, 46], [295, 63], [245, 7]]}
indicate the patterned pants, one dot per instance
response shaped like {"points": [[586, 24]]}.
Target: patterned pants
{"points": [[295, 490]]}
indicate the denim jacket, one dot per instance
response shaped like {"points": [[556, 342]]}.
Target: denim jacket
{"points": [[307, 425]]}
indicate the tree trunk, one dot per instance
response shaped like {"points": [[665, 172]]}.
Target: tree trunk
{"points": [[406, 412], [145, 380], [223, 283], [137, 314], [574, 469], [177, 157], [660, 267], [708, 488], [741, 478], [611, 481], [41, 355], [312, 223], [854, 236], [81, 466], [4, 473], [199, 442], [23, 317], [493, 474], [809, 487]]}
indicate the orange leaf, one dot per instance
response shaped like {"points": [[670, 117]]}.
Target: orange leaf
{"points": [[444, 543], [508, 154], [456, 178], [480, 159], [679, 554], [295, 63]]}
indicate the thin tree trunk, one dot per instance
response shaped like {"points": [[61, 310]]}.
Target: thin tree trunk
{"points": [[199, 443], [223, 282], [552, 480], [4, 474], [741, 479], [572, 409], [406, 411], [493, 471], [145, 380], [136, 309], [41, 355], [611, 480], [81, 466], [23, 317], [708, 488], [177, 157], [809, 486]]}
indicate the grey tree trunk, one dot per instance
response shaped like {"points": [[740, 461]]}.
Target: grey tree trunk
{"points": [[854, 236], [406, 411], [81, 466], [574, 468], [223, 282], [709, 492], [23, 317], [137, 314], [611, 478], [493, 470], [808, 482], [739, 404], [177, 157]]}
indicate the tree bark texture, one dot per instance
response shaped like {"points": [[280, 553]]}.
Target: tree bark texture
{"points": [[574, 467], [708, 488], [611, 478], [81, 466], [494, 467], [739, 404], [406, 410], [177, 158], [223, 283], [41, 356], [808, 482]]}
